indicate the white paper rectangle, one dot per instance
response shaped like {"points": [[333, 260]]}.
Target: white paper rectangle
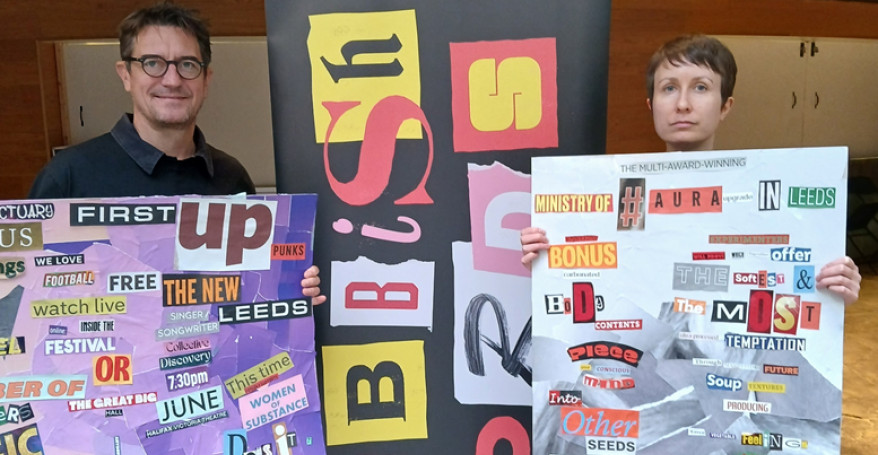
{"points": [[510, 292], [130, 282], [217, 235], [659, 264], [368, 293]]}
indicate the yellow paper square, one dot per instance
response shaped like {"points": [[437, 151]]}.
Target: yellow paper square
{"points": [[342, 362], [371, 39]]}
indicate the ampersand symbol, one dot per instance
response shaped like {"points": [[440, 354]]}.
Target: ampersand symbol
{"points": [[804, 280]]}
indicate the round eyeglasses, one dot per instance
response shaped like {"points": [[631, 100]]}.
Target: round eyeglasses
{"points": [[155, 66]]}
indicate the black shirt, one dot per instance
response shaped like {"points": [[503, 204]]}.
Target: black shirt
{"points": [[121, 164]]}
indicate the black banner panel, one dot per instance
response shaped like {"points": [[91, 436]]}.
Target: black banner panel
{"points": [[415, 122]]}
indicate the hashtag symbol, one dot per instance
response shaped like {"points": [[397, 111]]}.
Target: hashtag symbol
{"points": [[631, 216]]}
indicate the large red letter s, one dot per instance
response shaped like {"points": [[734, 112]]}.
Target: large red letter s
{"points": [[376, 152]]}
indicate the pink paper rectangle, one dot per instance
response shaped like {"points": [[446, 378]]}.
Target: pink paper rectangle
{"points": [[499, 201], [273, 402]]}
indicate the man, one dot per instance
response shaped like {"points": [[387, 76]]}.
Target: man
{"points": [[690, 81], [157, 150]]}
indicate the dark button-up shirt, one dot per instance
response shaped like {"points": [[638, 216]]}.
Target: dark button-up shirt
{"points": [[121, 164]]}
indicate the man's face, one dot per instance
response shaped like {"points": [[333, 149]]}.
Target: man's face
{"points": [[687, 106], [168, 101]]}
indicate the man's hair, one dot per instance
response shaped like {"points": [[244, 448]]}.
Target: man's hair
{"points": [[164, 14], [698, 50]]}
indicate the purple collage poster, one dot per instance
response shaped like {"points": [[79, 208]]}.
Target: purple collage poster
{"points": [[165, 325]]}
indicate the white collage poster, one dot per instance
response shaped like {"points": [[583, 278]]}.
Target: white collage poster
{"points": [[492, 320], [676, 310]]}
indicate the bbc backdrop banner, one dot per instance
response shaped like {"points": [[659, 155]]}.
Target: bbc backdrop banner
{"points": [[155, 326], [676, 310], [415, 122]]}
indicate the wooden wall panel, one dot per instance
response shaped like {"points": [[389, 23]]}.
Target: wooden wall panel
{"points": [[639, 27], [87, 19], [30, 109]]}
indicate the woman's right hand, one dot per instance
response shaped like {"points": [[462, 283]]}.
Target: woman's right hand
{"points": [[533, 240]]}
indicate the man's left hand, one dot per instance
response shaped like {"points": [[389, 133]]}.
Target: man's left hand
{"points": [[311, 283]]}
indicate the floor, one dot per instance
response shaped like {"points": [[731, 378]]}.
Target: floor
{"points": [[859, 427]]}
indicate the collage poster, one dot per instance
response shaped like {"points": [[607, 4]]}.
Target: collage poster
{"points": [[416, 122], [676, 309], [158, 326]]}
